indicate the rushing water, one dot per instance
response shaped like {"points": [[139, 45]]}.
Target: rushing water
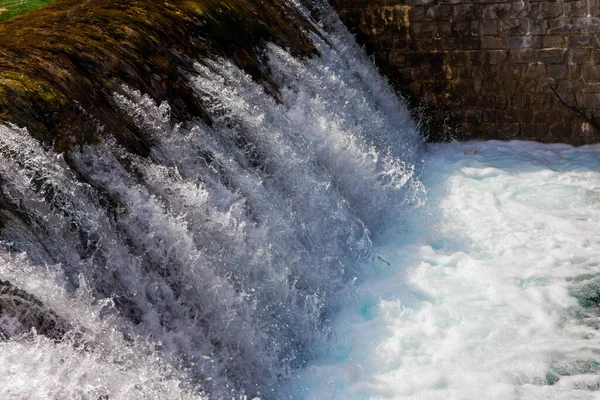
{"points": [[492, 294], [237, 259], [213, 266]]}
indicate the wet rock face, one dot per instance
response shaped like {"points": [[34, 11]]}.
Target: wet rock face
{"points": [[23, 312], [490, 69], [60, 64]]}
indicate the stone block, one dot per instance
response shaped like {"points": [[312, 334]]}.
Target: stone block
{"points": [[467, 12], [545, 116], [399, 43], [515, 27], [578, 41], [541, 101], [476, 28], [564, 86], [575, 9], [423, 45], [590, 72], [398, 57], [573, 25], [445, 29], [559, 130], [527, 86], [498, 102], [552, 56], [550, 10], [423, 29], [509, 73], [589, 100], [421, 2], [491, 86], [535, 71], [533, 130], [445, 44], [498, 11], [515, 115], [508, 130], [492, 42], [553, 41], [592, 87], [479, 73], [489, 115], [520, 9], [489, 27], [456, 58], [461, 28], [568, 98], [445, 12], [495, 57], [580, 56], [594, 8], [558, 71], [519, 101], [574, 71], [524, 42], [535, 10], [419, 13], [538, 27], [468, 43], [545, 86], [430, 13], [521, 56]]}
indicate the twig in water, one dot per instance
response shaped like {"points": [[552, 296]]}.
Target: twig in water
{"points": [[590, 120], [381, 259]]}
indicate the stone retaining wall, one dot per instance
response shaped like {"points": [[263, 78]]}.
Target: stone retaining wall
{"points": [[490, 69]]}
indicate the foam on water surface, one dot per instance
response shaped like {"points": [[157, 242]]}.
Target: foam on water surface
{"points": [[491, 294]]}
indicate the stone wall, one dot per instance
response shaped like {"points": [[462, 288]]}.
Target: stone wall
{"points": [[490, 69]]}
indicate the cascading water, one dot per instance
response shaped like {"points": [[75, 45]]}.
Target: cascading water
{"points": [[234, 258], [214, 265]]}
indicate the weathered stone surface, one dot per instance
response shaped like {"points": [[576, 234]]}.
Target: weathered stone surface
{"points": [[507, 69], [59, 65]]}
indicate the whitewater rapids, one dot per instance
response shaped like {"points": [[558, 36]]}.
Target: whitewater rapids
{"points": [[491, 294]]}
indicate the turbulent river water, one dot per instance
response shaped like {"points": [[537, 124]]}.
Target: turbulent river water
{"points": [[492, 289], [306, 247]]}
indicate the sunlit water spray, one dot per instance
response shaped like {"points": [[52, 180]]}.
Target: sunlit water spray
{"points": [[238, 259], [213, 266], [492, 294]]}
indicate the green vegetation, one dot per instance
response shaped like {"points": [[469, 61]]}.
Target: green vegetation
{"points": [[12, 8]]}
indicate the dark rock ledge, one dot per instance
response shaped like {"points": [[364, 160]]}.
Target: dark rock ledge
{"points": [[60, 64]]}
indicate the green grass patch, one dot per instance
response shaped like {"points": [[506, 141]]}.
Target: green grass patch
{"points": [[12, 8]]}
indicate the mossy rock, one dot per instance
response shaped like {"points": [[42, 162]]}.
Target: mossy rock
{"points": [[61, 63]]}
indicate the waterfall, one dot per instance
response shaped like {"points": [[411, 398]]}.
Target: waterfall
{"points": [[211, 267]]}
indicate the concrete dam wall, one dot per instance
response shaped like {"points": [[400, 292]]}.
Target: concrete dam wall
{"points": [[490, 69]]}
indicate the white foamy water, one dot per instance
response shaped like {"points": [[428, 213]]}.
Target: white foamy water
{"points": [[491, 293], [213, 266]]}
